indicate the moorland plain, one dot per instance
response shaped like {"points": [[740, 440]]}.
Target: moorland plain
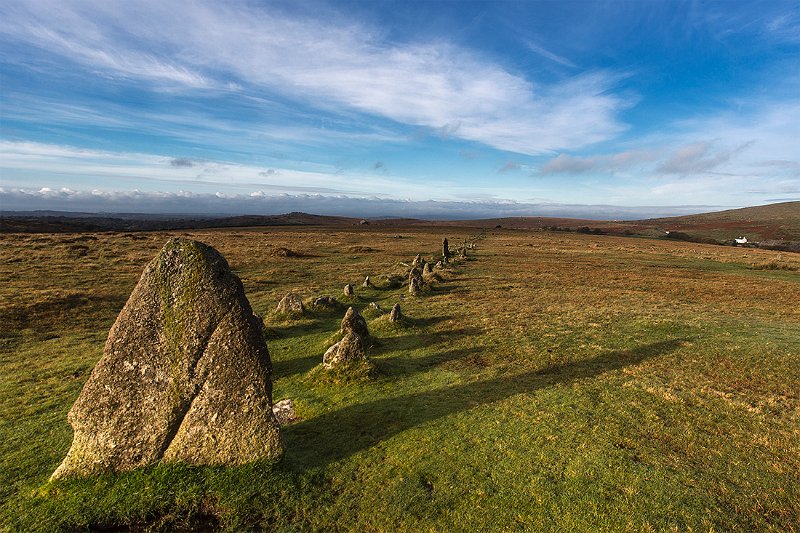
{"points": [[548, 381]]}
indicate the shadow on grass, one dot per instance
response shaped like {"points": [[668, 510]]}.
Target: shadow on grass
{"points": [[401, 365], [336, 435], [298, 365]]}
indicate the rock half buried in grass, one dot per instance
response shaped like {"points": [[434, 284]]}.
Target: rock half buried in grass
{"points": [[353, 321], [291, 304], [185, 374], [348, 290], [348, 350]]}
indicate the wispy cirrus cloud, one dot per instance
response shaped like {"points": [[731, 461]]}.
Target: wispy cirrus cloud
{"points": [[19, 159], [567, 164], [698, 158], [211, 45]]}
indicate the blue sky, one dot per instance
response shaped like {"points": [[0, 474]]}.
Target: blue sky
{"points": [[421, 108]]}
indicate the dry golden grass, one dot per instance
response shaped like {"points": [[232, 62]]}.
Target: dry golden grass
{"points": [[550, 380]]}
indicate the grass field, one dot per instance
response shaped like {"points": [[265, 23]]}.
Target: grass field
{"points": [[549, 381]]}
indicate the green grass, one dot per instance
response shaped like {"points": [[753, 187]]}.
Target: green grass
{"points": [[549, 382]]}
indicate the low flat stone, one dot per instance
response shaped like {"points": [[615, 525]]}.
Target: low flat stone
{"points": [[291, 304]]}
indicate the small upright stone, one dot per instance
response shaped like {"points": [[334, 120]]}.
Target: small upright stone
{"points": [[375, 306], [427, 269], [413, 286], [367, 283], [445, 249], [353, 321], [291, 304], [395, 315], [415, 274], [184, 376], [439, 265], [417, 261], [348, 290]]}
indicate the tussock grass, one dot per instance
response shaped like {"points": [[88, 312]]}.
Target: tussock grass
{"points": [[548, 381]]}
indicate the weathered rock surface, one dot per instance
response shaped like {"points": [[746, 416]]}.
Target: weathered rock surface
{"points": [[353, 321], [291, 304], [328, 302], [415, 274], [367, 283], [427, 270], [418, 261], [413, 286], [348, 290], [348, 350], [395, 315], [284, 412], [184, 376]]}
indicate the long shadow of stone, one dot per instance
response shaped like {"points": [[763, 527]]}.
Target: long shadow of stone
{"points": [[336, 435], [272, 332], [401, 365], [298, 365]]}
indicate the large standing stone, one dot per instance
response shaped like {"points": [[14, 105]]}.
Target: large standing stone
{"points": [[353, 321], [184, 376]]}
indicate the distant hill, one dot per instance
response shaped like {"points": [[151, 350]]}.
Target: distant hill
{"points": [[55, 222], [776, 225], [768, 222]]}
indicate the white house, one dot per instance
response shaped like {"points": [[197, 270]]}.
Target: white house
{"points": [[741, 240]]}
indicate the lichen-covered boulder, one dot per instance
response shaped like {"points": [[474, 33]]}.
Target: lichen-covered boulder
{"points": [[353, 321], [291, 304], [184, 376], [348, 350]]}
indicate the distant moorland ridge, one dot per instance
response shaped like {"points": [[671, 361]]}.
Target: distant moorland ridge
{"points": [[774, 225]]}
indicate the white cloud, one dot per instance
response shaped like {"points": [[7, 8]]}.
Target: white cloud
{"points": [[331, 64], [70, 164], [542, 51], [262, 203], [567, 164], [699, 157]]}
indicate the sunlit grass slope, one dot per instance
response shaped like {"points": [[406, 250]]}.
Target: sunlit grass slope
{"points": [[549, 381]]}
